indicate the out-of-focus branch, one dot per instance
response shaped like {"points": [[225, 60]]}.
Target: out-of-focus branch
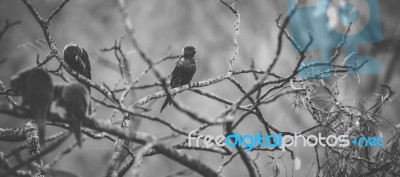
{"points": [[139, 157], [9, 98], [26, 133], [123, 64], [142, 138], [129, 29], [35, 155], [3, 60], [245, 157], [24, 146], [138, 137], [32, 140], [61, 155], [6, 165], [7, 26]]}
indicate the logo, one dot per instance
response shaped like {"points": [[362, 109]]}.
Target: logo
{"points": [[327, 21], [249, 142]]}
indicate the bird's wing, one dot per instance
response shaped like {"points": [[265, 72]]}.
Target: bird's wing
{"points": [[86, 61], [176, 74], [175, 65], [76, 98], [190, 70]]}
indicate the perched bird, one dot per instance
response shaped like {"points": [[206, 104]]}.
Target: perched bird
{"points": [[77, 58], [36, 88], [74, 98], [183, 71]]}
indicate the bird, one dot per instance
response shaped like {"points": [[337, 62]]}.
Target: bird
{"points": [[78, 60], [183, 71], [74, 98], [36, 88]]}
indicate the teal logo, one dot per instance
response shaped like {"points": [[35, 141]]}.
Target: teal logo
{"points": [[328, 21]]}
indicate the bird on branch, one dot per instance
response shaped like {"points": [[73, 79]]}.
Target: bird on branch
{"points": [[36, 88], [78, 59], [183, 71], [74, 98]]}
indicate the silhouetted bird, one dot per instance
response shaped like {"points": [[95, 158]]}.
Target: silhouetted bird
{"points": [[183, 71], [74, 98], [36, 88]]}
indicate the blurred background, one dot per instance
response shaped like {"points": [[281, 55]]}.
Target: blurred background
{"points": [[163, 28]]}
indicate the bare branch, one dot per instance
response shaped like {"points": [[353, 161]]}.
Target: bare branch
{"points": [[7, 26], [138, 137], [234, 10], [55, 12]]}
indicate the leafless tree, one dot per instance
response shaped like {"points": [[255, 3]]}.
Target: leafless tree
{"points": [[330, 116]]}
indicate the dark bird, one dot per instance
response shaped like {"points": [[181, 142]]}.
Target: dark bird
{"points": [[74, 98], [77, 58], [183, 71], [36, 88]]}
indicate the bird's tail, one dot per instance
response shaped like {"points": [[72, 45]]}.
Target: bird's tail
{"points": [[76, 128], [90, 99], [40, 122], [90, 102], [167, 101]]}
